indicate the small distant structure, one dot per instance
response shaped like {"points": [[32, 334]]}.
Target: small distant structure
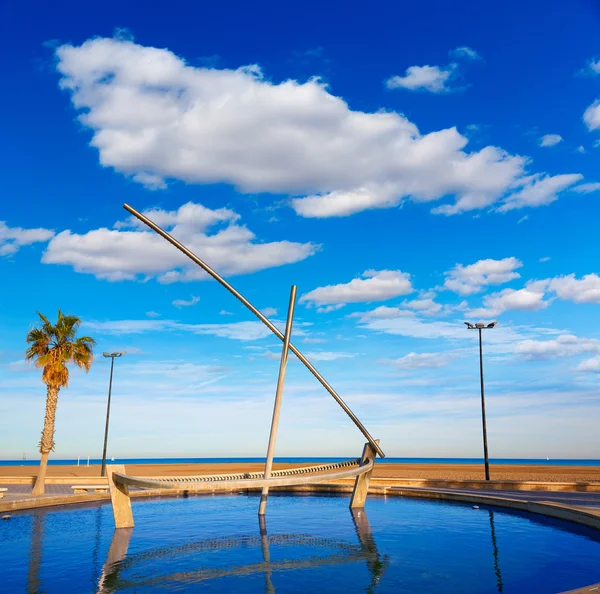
{"points": [[360, 468]]}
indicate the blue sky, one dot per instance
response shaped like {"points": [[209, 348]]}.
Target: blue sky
{"points": [[408, 167]]}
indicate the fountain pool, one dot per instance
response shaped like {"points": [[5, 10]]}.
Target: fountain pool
{"points": [[309, 543]]}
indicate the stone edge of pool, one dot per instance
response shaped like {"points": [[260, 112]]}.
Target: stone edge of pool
{"points": [[561, 511]]}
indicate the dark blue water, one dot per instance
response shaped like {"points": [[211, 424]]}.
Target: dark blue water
{"points": [[309, 544], [83, 462]]}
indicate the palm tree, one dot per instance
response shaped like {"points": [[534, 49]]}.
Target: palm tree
{"points": [[51, 347]]}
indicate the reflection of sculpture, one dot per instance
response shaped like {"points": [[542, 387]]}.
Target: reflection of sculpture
{"points": [[109, 579], [117, 564], [119, 482], [499, 583]]}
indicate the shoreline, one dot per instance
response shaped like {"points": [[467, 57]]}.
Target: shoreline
{"points": [[500, 472]]}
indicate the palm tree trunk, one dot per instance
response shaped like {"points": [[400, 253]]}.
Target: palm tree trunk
{"points": [[47, 441]]}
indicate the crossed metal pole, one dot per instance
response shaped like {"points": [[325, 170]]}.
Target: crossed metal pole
{"points": [[262, 318]]}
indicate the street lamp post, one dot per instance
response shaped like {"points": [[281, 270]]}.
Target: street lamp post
{"points": [[112, 364], [481, 327]]}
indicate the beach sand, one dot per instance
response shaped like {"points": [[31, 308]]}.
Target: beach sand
{"points": [[508, 472]]}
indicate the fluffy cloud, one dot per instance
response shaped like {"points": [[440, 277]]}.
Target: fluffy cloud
{"points": [[530, 298], [373, 286], [591, 116], [566, 345], [13, 238], [539, 191], [423, 78], [128, 251], [590, 365], [154, 117], [184, 303], [426, 306], [569, 288], [434, 79], [466, 280], [550, 139], [419, 361]]}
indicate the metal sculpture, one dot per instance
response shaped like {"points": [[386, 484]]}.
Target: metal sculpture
{"points": [[119, 482]]}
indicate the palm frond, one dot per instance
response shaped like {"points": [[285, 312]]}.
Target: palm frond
{"points": [[52, 347]]}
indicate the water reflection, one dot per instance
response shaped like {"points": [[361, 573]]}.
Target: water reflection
{"points": [[35, 555], [266, 553], [119, 571], [117, 552], [499, 583]]}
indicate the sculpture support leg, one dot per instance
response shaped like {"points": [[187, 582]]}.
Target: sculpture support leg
{"points": [[119, 497], [278, 394], [361, 484]]}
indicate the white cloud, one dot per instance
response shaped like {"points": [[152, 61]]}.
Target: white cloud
{"points": [[590, 365], [375, 285], [530, 298], [594, 66], [156, 118], [591, 116], [328, 356], [587, 188], [425, 306], [128, 251], [153, 314], [545, 259], [550, 139], [314, 356], [466, 280], [465, 52], [419, 361], [424, 78], [383, 312], [540, 191], [585, 290], [330, 308], [269, 312], [500, 340], [184, 303], [13, 238], [522, 219], [565, 345], [251, 330], [581, 149]]}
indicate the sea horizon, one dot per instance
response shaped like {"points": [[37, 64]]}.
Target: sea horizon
{"points": [[309, 459]]}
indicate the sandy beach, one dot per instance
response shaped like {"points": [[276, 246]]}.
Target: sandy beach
{"points": [[417, 471]]}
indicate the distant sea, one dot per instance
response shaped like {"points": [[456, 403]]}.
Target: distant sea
{"points": [[84, 461]]}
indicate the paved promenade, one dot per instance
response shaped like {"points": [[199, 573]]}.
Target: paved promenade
{"points": [[587, 500], [584, 500]]}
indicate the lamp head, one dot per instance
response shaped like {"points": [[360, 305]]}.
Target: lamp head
{"points": [[479, 325], [469, 325], [492, 324]]}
